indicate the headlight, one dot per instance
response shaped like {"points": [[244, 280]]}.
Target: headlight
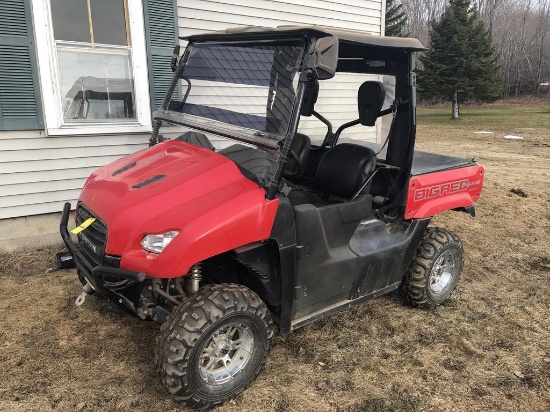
{"points": [[157, 243]]}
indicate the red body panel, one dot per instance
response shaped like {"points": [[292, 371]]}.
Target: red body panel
{"points": [[433, 193], [204, 196]]}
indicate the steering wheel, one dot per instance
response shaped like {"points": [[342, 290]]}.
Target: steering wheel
{"points": [[292, 155]]}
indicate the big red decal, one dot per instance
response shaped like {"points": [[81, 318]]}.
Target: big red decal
{"points": [[433, 193], [443, 189]]}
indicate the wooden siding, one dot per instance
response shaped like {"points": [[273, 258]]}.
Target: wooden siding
{"points": [[39, 174], [204, 15]]}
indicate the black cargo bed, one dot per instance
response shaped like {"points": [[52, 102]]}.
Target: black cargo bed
{"points": [[423, 162]]}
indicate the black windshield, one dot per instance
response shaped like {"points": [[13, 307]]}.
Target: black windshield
{"points": [[242, 86]]}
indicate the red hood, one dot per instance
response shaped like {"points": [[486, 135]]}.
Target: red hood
{"points": [[177, 186]]}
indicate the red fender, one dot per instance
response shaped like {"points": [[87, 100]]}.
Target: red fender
{"points": [[433, 193]]}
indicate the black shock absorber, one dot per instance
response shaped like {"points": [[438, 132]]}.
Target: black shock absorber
{"points": [[193, 279]]}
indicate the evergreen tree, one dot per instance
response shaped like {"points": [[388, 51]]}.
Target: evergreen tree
{"points": [[396, 19], [461, 63]]}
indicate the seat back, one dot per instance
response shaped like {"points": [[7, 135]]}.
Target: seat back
{"points": [[294, 168], [370, 99], [344, 169]]}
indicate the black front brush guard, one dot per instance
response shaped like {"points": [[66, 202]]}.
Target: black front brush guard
{"points": [[94, 274]]}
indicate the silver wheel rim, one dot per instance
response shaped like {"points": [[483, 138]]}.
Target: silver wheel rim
{"points": [[443, 271], [226, 353]]}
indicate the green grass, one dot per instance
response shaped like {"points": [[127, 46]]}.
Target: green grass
{"points": [[537, 117]]}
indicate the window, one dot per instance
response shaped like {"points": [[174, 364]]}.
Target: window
{"points": [[92, 65], [93, 49], [247, 86]]}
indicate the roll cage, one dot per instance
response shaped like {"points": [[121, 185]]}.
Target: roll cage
{"points": [[325, 52]]}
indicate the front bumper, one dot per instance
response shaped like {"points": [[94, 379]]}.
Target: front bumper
{"points": [[93, 274]]}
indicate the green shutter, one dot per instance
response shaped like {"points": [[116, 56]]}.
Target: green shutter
{"points": [[20, 105], [161, 31]]}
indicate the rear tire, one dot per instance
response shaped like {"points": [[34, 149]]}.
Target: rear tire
{"points": [[213, 345], [435, 270]]}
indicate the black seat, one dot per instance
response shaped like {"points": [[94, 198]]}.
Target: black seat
{"points": [[370, 100], [341, 173], [296, 165], [344, 168]]}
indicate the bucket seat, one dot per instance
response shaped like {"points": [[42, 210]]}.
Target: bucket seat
{"points": [[341, 173]]}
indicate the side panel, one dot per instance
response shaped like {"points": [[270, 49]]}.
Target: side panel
{"points": [[284, 233], [325, 264], [433, 193], [385, 252], [372, 264]]}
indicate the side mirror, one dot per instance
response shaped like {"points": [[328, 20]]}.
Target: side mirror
{"points": [[175, 56], [326, 57]]}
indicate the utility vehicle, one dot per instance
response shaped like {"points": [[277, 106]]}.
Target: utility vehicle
{"points": [[277, 228]]}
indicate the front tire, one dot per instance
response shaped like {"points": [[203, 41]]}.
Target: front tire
{"points": [[213, 345], [435, 270]]}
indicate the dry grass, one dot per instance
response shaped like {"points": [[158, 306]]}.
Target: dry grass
{"points": [[487, 349]]}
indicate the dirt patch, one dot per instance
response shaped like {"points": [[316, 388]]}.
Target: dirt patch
{"points": [[519, 191], [484, 350], [29, 262]]}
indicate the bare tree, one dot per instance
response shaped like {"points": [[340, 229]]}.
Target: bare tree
{"points": [[487, 9], [420, 14], [520, 30], [543, 49]]}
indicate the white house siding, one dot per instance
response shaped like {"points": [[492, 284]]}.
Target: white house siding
{"points": [[38, 174], [338, 96], [197, 16]]}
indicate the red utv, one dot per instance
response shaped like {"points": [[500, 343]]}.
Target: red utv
{"points": [[278, 227]]}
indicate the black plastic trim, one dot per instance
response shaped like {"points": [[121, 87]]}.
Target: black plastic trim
{"points": [[284, 233], [298, 323], [124, 168], [148, 181], [467, 209]]}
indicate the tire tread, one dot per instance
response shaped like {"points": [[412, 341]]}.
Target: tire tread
{"points": [[415, 282], [183, 329]]}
